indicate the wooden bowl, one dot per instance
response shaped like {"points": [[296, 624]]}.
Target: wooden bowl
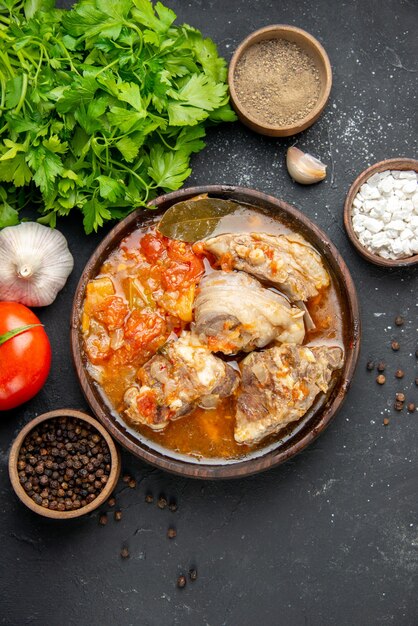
{"points": [[389, 164], [313, 48], [145, 449], [104, 494]]}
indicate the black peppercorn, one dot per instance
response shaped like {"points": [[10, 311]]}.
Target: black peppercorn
{"points": [[381, 366], [411, 407], [124, 553], [381, 379], [395, 346], [399, 373], [118, 516], [400, 397], [398, 406], [162, 502], [370, 365], [181, 581], [193, 574], [149, 498], [399, 320], [171, 533]]}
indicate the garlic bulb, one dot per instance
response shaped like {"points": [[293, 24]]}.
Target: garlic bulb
{"points": [[303, 167], [34, 263]]}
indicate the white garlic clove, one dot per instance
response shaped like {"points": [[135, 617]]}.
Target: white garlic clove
{"points": [[35, 263], [303, 167]]}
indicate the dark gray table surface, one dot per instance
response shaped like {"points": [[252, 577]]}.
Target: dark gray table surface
{"points": [[331, 537]]}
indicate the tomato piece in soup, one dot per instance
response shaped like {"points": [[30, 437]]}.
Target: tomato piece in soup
{"points": [[112, 312], [152, 246], [145, 332]]}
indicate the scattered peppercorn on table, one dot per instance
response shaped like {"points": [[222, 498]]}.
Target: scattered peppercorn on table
{"points": [[328, 538]]}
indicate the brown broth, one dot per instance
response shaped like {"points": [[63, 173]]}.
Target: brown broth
{"points": [[210, 433]]}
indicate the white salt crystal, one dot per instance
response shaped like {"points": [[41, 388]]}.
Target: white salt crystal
{"points": [[386, 185], [407, 175], [406, 234], [410, 186], [395, 225], [393, 204], [373, 225], [375, 179]]}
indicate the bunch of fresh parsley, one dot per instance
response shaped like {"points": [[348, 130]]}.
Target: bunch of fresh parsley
{"points": [[101, 106]]}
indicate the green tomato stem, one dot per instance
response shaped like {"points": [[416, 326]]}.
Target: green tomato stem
{"points": [[16, 331]]}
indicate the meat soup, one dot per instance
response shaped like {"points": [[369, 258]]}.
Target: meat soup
{"points": [[184, 340]]}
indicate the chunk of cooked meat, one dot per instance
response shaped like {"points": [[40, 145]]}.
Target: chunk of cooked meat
{"points": [[279, 385], [287, 261], [234, 312], [184, 375]]}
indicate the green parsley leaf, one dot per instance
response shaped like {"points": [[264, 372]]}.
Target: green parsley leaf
{"points": [[8, 215], [168, 169]]}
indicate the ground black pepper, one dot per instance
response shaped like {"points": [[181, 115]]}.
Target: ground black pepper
{"points": [[52, 460], [277, 82]]}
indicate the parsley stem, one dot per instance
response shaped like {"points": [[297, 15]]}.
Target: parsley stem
{"points": [[23, 93], [4, 36], [141, 180], [67, 56], [164, 141], [107, 67], [6, 61]]}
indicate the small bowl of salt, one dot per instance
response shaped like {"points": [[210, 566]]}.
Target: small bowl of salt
{"points": [[381, 213]]}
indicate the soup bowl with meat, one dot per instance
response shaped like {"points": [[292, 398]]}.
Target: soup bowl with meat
{"points": [[215, 336]]}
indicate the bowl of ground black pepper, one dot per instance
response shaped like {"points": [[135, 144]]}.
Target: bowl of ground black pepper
{"points": [[279, 80], [63, 464]]}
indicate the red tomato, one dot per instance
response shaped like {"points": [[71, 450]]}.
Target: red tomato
{"points": [[25, 359]]}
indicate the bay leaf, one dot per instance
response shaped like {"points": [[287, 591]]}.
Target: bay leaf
{"points": [[194, 219]]}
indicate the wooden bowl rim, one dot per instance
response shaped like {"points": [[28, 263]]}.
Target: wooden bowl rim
{"points": [[308, 120], [397, 163], [104, 494], [273, 457]]}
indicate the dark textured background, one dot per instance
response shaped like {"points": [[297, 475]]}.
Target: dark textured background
{"points": [[330, 537]]}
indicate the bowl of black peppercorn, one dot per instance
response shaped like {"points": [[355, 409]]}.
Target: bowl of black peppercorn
{"points": [[64, 464]]}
